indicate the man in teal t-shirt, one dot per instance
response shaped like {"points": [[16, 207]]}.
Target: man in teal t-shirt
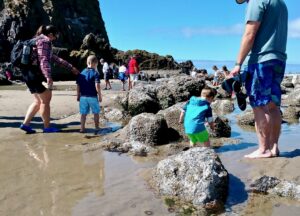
{"points": [[264, 41]]}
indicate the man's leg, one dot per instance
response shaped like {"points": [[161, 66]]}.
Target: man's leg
{"points": [[276, 119], [263, 131], [45, 99], [32, 110]]}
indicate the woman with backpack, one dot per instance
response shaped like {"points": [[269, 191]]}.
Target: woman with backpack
{"points": [[39, 71]]}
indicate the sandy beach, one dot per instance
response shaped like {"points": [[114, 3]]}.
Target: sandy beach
{"points": [[42, 175]]}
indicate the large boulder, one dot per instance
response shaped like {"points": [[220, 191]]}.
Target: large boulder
{"points": [[171, 115], [161, 95], [222, 106], [178, 89], [222, 128], [291, 113], [273, 185], [142, 99], [296, 80], [246, 118], [148, 128], [293, 98], [287, 82], [196, 176]]}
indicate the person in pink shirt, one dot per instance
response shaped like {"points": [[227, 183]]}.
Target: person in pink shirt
{"points": [[133, 70], [39, 71]]}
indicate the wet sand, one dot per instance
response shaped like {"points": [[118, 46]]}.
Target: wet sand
{"points": [[42, 175]]}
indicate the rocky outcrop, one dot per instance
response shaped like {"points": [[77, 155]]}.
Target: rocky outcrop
{"points": [[273, 185], [142, 99], [195, 176], [222, 128], [74, 19], [246, 118], [147, 60], [171, 115], [222, 106], [161, 95], [148, 128]]}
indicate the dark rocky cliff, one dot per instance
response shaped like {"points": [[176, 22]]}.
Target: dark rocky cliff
{"points": [[82, 32], [74, 18]]}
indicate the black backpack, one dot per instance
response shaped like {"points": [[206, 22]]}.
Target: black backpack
{"points": [[21, 53]]}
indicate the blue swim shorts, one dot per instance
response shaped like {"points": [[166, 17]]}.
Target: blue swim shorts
{"points": [[263, 82], [89, 103]]}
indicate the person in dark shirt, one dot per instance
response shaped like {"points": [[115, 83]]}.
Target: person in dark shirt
{"points": [[89, 92]]}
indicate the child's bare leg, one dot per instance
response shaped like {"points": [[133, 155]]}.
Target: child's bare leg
{"points": [[192, 144], [96, 120], [82, 123], [206, 144]]}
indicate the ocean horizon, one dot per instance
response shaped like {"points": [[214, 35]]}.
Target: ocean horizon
{"points": [[208, 64]]}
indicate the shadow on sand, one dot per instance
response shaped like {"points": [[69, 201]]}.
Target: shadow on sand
{"points": [[237, 193], [292, 154], [234, 147]]}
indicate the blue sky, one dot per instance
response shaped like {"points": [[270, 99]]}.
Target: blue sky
{"points": [[189, 29]]}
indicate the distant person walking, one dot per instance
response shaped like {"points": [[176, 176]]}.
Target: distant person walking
{"points": [[105, 70], [264, 41], [89, 92], [39, 71], [218, 76], [226, 72], [195, 113], [122, 75], [133, 69]]}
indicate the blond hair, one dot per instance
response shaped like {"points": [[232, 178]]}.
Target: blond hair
{"points": [[91, 59], [208, 92]]}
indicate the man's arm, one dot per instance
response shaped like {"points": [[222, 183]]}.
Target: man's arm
{"points": [[246, 45]]}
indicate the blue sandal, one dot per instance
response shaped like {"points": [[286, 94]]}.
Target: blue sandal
{"points": [[27, 129], [51, 130]]}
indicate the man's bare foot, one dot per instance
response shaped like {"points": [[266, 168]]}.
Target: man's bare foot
{"points": [[275, 152], [259, 154]]}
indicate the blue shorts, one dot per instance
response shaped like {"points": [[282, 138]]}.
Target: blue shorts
{"points": [[263, 82], [87, 103], [122, 77]]}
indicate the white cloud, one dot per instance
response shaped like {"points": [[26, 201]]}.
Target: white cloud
{"points": [[229, 30], [294, 28], [237, 29]]}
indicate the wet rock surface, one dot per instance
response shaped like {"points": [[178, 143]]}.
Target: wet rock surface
{"points": [[273, 185], [196, 175]]}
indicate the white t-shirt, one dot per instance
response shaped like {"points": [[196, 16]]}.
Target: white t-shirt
{"points": [[122, 69], [105, 67]]}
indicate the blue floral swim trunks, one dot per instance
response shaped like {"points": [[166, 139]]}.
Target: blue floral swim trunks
{"points": [[263, 82]]}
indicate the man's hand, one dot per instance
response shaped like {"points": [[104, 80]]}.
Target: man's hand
{"points": [[235, 71]]}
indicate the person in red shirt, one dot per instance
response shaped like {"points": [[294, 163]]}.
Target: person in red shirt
{"points": [[133, 70]]}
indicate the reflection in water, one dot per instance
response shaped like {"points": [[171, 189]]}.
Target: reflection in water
{"points": [[45, 178]]}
